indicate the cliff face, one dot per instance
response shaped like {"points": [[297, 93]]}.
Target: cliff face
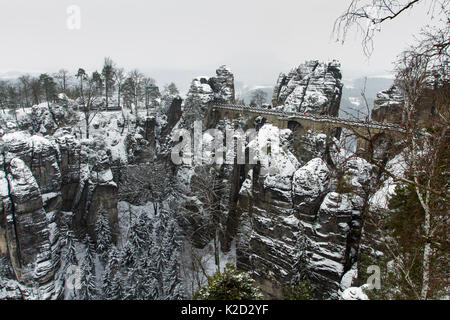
{"points": [[205, 90], [41, 179], [223, 85], [388, 106], [280, 219], [293, 225], [284, 216], [312, 87], [31, 208]]}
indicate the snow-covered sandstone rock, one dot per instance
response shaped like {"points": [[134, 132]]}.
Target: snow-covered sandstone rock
{"points": [[312, 87]]}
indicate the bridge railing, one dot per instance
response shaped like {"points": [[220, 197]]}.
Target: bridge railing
{"points": [[315, 118]]}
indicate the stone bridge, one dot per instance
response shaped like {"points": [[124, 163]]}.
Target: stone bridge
{"points": [[364, 131]]}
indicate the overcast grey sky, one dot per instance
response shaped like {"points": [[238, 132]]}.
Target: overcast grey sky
{"points": [[178, 39]]}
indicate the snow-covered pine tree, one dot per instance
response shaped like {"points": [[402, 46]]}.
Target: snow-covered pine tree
{"points": [[156, 258], [231, 284], [69, 257], [130, 289], [127, 255], [90, 251], [173, 289], [116, 292], [138, 237], [144, 226], [135, 260], [155, 287], [192, 107], [135, 246], [88, 290], [111, 275], [103, 231], [171, 249], [107, 280], [140, 279]]}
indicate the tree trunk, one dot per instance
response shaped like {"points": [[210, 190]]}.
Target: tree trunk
{"points": [[216, 250], [426, 271], [135, 99], [118, 96], [427, 250], [86, 118], [155, 208], [106, 95]]}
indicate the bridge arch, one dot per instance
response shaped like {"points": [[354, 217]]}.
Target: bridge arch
{"points": [[294, 125], [383, 139]]}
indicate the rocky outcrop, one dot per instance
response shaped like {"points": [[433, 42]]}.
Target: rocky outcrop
{"points": [[42, 177], [298, 228], [223, 85], [286, 221], [173, 115], [31, 231], [313, 87], [87, 181], [44, 118], [355, 293], [388, 106], [13, 290], [205, 90], [326, 244], [266, 237], [307, 145], [310, 184]]}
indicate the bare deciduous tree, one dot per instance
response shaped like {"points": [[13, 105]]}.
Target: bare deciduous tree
{"points": [[119, 78], [89, 100], [146, 183], [108, 77], [62, 77], [136, 79], [259, 97], [25, 81], [423, 81], [151, 92], [367, 16], [208, 188]]}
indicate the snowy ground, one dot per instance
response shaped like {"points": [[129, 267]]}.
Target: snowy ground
{"points": [[198, 264]]}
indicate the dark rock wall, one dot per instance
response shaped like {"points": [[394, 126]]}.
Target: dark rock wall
{"points": [[41, 178]]}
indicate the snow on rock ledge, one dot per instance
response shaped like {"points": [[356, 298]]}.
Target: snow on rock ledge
{"points": [[354, 293], [23, 185], [309, 185]]}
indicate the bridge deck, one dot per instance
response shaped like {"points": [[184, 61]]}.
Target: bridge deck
{"points": [[315, 118]]}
